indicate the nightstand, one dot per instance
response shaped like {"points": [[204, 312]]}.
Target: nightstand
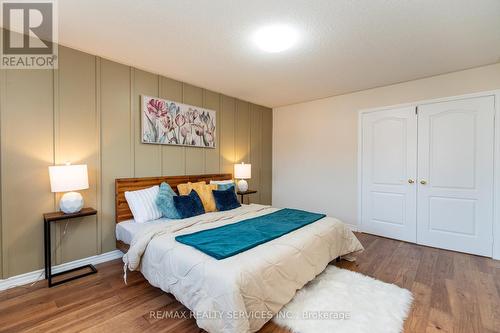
{"points": [[48, 218], [242, 194]]}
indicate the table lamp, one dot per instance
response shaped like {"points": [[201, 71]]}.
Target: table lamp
{"points": [[242, 171], [69, 178]]}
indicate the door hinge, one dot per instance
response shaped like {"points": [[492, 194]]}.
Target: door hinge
{"points": [[416, 110]]}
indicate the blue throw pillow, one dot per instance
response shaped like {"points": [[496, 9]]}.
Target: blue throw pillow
{"points": [[225, 199], [223, 187], [189, 205], [165, 202]]}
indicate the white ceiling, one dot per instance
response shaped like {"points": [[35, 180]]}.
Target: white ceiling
{"points": [[344, 45]]}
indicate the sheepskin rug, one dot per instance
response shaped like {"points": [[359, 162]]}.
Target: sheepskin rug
{"points": [[339, 301]]}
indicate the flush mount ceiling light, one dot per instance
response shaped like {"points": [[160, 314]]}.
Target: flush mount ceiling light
{"points": [[275, 38]]}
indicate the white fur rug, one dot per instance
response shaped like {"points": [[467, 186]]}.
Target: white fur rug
{"points": [[346, 301]]}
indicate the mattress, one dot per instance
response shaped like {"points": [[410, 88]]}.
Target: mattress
{"points": [[127, 230]]}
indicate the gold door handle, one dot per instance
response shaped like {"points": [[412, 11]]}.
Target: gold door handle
{"points": [[423, 182], [410, 181]]}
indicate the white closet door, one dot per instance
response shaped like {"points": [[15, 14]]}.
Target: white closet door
{"points": [[389, 151], [455, 175]]}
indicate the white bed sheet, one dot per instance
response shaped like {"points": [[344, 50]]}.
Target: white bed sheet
{"points": [[127, 230]]}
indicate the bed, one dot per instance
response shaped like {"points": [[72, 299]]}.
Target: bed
{"points": [[237, 294]]}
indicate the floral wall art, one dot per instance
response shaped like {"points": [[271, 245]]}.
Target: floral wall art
{"points": [[172, 123]]}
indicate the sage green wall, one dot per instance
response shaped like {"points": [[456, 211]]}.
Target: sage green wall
{"points": [[87, 111]]}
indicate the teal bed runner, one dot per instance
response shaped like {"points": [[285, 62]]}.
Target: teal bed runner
{"points": [[229, 240]]}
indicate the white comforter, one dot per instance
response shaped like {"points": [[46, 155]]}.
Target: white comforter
{"points": [[241, 293]]}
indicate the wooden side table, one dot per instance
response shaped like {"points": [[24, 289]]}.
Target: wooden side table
{"points": [[247, 192], [48, 218]]}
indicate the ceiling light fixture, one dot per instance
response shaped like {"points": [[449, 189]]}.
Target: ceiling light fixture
{"points": [[275, 38]]}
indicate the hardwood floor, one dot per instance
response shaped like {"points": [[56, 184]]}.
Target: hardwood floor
{"points": [[453, 292]]}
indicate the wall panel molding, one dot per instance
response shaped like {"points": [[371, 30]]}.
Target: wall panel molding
{"points": [[267, 159], [195, 156], [117, 141], [256, 151], [173, 157], [99, 154], [77, 142], [88, 111], [227, 133], [132, 118], [242, 135], [56, 232], [211, 100], [2, 110], [27, 151], [147, 157]]}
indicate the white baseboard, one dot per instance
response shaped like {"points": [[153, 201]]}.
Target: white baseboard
{"points": [[353, 227], [31, 277]]}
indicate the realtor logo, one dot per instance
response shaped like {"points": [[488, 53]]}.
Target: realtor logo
{"points": [[29, 34]]}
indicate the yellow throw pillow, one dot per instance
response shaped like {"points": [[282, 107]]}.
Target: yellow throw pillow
{"points": [[184, 188], [204, 192], [206, 195]]}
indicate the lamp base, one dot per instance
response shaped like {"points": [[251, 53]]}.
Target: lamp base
{"points": [[71, 202], [242, 185]]}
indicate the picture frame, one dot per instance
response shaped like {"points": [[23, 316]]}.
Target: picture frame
{"points": [[169, 122]]}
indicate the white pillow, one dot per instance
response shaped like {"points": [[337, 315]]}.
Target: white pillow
{"points": [[222, 182], [142, 204]]}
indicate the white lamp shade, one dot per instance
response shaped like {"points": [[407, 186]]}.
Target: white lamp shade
{"points": [[242, 171], [65, 178]]}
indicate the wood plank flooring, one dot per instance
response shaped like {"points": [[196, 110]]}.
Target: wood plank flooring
{"points": [[453, 292]]}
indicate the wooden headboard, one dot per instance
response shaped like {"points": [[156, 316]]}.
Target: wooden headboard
{"points": [[122, 211]]}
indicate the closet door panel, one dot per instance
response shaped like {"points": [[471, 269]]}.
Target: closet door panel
{"points": [[388, 173], [455, 171]]}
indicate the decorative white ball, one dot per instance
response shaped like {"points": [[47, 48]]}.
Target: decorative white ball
{"points": [[71, 202], [242, 185]]}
